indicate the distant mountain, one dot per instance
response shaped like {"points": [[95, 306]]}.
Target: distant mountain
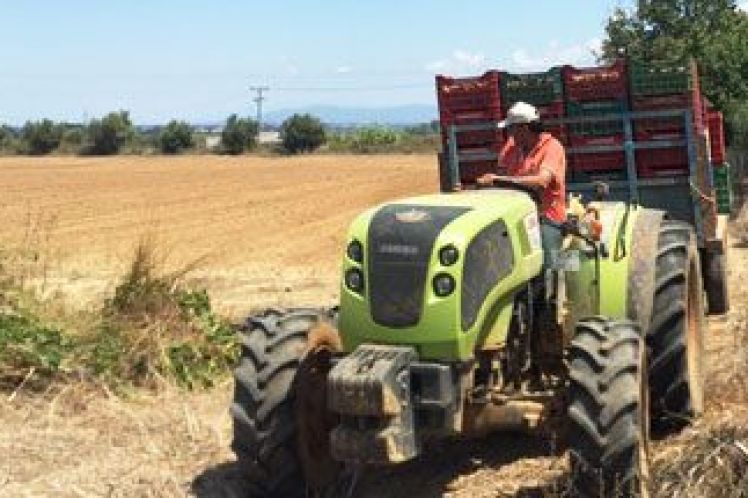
{"points": [[399, 115]]}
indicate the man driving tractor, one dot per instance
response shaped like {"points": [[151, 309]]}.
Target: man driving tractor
{"points": [[534, 159]]}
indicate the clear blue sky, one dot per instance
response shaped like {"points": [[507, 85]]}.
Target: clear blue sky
{"points": [[194, 60]]}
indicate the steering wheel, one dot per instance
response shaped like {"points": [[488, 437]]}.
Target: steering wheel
{"points": [[508, 184]]}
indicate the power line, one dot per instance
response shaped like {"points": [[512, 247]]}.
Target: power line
{"points": [[258, 100], [352, 88]]}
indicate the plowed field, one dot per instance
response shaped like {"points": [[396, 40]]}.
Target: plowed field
{"points": [[264, 230]]}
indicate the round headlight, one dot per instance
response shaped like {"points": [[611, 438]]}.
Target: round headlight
{"points": [[354, 280], [448, 255], [355, 251], [444, 285]]}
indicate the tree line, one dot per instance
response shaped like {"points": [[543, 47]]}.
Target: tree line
{"points": [[115, 133]]}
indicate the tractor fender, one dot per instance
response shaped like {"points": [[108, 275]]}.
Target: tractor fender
{"points": [[641, 284]]}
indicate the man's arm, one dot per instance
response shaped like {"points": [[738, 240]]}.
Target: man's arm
{"points": [[539, 181]]}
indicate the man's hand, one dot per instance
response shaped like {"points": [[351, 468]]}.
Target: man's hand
{"points": [[487, 179]]}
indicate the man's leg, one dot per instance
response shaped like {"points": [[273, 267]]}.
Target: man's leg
{"points": [[551, 238]]}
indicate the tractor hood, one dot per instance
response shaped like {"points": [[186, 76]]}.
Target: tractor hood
{"points": [[428, 271]]}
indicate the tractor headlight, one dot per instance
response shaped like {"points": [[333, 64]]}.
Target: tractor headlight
{"points": [[448, 255], [355, 251], [444, 284], [354, 280]]}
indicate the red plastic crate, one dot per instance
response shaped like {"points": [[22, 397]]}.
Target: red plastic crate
{"points": [[476, 138], [596, 83], [469, 171], [597, 161], [554, 110], [670, 127], [716, 136], [600, 175], [666, 128], [670, 161], [551, 111], [589, 141], [492, 148], [457, 94], [467, 116]]}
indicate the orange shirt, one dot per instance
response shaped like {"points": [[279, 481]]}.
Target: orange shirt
{"points": [[547, 154]]}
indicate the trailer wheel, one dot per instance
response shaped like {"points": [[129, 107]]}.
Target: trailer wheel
{"points": [[608, 411], [281, 447], [715, 283], [675, 335]]}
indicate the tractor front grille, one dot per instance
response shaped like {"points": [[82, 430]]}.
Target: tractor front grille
{"points": [[400, 241], [489, 258]]}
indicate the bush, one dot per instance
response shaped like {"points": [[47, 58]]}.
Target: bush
{"points": [[373, 139], [6, 133], [28, 347], [41, 137], [239, 135], [109, 134], [176, 137], [302, 133], [73, 137], [8, 139], [155, 327]]}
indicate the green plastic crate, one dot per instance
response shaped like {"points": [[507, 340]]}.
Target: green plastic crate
{"points": [[722, 176], [723, 188], [598, 108], [534, 88], [662, 80]]}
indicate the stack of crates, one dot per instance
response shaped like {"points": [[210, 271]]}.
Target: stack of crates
{"points": [[543, 90], [595, 92], [657, 88], [716, 127], [465, 101], [723, 189]]}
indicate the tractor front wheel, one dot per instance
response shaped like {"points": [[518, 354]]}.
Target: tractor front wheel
{"points": [[609, 410], [281, 425]]}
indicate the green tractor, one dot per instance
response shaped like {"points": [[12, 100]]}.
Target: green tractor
{"points": [[450, 324]]}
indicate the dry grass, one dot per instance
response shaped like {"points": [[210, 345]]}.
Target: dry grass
{"points": [[81, 441]]}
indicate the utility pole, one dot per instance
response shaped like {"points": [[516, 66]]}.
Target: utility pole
{"points": [[258, 100]]}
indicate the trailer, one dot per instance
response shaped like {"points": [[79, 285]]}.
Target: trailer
{"points": [[699, 194]]}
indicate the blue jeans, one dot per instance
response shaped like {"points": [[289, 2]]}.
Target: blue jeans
{"points": [[551, 239]]}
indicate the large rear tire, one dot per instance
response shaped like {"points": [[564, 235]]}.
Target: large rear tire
{"points": [[675, 335], [280, 439], [608, 410]]}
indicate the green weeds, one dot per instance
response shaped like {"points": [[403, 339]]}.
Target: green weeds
{"points": [[153, 329]]}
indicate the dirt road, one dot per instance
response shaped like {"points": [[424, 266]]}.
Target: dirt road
{"points": [[271, 225]]}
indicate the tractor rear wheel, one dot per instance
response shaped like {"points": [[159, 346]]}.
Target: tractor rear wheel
{"points": [[675, 335], [281, 424], [609, 411]]}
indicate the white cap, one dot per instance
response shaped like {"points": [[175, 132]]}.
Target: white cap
{"points": [[520, 113]]}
